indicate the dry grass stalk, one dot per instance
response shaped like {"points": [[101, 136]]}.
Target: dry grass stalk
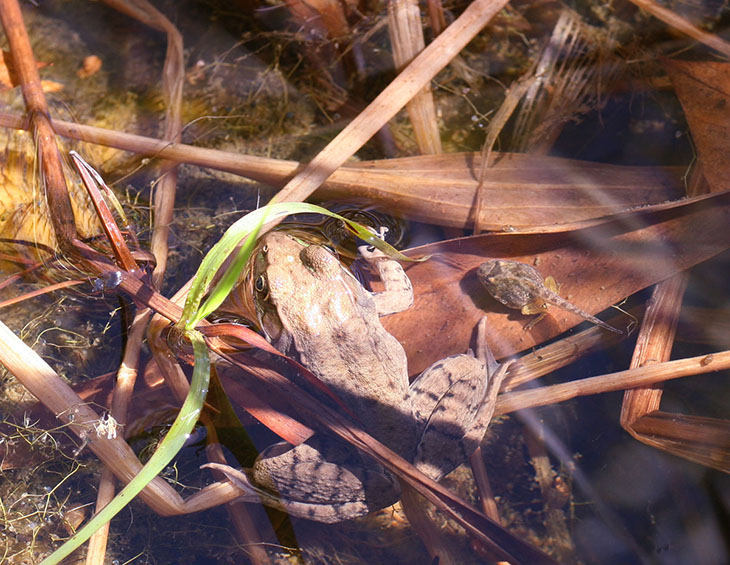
{"points": [[40, 124], [559, 354], [406, 38], [630, 378], [412, 79], [681, 24]]}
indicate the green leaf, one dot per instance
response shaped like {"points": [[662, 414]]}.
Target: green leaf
{"points": [[165, 453]]}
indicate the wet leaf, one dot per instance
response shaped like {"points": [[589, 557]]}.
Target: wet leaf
{"points": [[519, 190], [598, 266], [703, 89]]}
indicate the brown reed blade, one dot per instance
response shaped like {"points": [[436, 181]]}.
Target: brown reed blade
{"points": [[90, 177], [703, 440], [519, 191]]}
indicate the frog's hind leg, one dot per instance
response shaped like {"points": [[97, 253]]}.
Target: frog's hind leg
{"points": [[453, 401], [323, 479]]}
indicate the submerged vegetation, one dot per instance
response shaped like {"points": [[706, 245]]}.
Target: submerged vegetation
{"points": [[556, 132]]}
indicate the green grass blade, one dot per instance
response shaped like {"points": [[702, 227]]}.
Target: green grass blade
{"points": [[247, 226], [169, 447]]}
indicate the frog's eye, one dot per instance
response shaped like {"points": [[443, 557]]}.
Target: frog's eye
{"points": [[260, 284], [265, 249]]}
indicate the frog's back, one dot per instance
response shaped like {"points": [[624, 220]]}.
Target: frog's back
{"points": [[366, 368]]}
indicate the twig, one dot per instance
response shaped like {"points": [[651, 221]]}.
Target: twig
{"points": [[413, 78], [640, 376], [40, 124]]}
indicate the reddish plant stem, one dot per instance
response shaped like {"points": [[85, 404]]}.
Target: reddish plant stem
{"points": [[40, 124]]}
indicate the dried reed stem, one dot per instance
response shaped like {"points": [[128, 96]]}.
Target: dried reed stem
{"points": [[679, 23], [406, 38], [40, 124], [122, 396], [640, 376], [486, 496]]}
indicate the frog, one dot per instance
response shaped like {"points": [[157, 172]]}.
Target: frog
{"points": [[313, 309], [521, 286]]}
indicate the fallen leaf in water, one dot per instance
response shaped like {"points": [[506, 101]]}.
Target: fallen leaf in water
{"points": [[598, 266], [703, 89], [520, 190]]}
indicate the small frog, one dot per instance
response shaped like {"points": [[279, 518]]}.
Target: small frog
{"points": [[314, 310], [521, 286]]}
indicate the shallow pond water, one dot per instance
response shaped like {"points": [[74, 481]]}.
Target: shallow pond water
{"points": [[566, 478]]}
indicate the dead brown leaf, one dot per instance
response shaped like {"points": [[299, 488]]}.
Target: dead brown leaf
{"points": [[89, 67], [598, 266], [703, 89], [519, 190]]}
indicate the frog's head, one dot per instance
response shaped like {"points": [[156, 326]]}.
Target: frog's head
{"points": [[290, 279]]}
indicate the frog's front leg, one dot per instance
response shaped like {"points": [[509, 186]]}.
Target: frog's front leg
{"points": [[398, 293], [453, 402], [321, 479]]}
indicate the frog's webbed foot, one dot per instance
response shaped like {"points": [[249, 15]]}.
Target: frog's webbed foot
{"points": [[398, 293], [453, 401], [322, 479]]}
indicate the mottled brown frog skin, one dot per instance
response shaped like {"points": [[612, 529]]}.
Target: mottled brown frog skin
{"points": [[315, 311], [521, 286]]}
